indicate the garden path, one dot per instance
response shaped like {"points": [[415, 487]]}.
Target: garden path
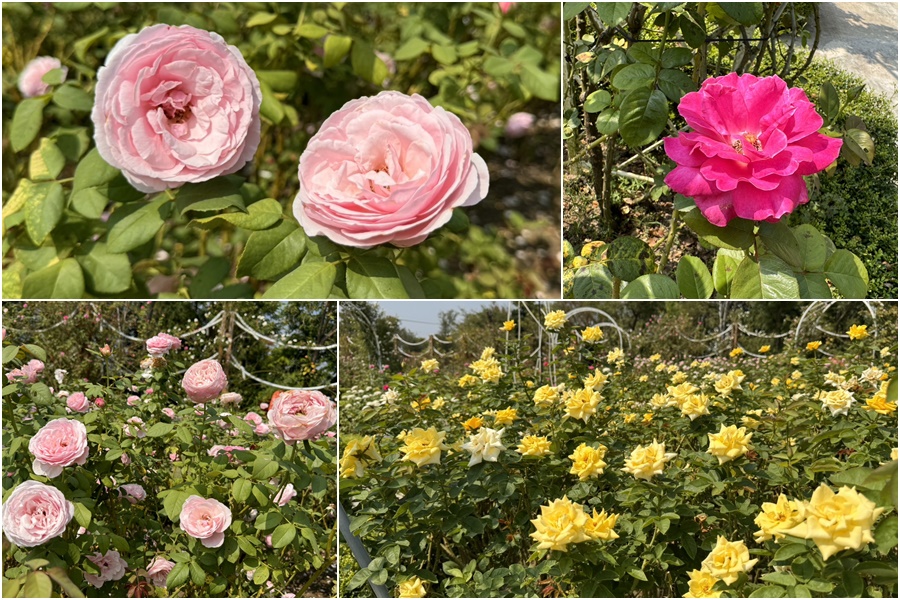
{"points": [[861, 38]]}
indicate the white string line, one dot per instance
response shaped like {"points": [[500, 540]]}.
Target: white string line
{"points": [[246, 373], [242, 324], [63, 322]]}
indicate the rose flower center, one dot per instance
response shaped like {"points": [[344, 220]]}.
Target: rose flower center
{"points": [[176, 106]]}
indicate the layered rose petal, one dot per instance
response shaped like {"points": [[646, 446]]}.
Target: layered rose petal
{"points": [[387, 169], [753, 141], [31, 81], [301, 415], [204, 381], [205, 519], [175, 105], [58, 444], [35, 513]]}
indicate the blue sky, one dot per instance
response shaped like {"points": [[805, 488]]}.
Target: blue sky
{"points": [[421, 317]]}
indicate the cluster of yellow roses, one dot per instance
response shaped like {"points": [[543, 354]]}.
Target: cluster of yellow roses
{"points": [[563, 522], [487, 367]]}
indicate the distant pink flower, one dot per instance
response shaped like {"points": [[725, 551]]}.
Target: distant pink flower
{"points": [[112, 568], [205, 519], [29, 372], [126, 460], [300, 415], [219, 449], [168, 412], [519, 124], [31, 80], [285, 495], [158, 570], [78, 402], [105, 350], [262, 429], [175, 105], [132, 400], [134, 427], [99, 402], [161, 344], [264, 405], [34, 513], [58, 444], [506, 6], [753, 141], [254, 418], [230, 398], [204, 381], [133, 492], [148, 391]]}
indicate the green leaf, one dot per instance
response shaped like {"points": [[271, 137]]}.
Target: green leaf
{"points": [[571, 9], [311, 31], [628, 258], [366, 64], [198, 575], [271, 252], [692, 31], [63, 280], [446, 55], [860, 143], [608, 121], [828, 103], [270, 108], [634, 76], [260, 18], [745, 13], [9, 353], [676, 57], [813, 286], [767, 591], [260, 215], [637, 574], [178, 575], [160, 429], [812, 247], [310, 280], [26, 122], [738, 235], [613, 13], [543, 84], [374, 277], [411, 48], [785, 579], [279, 81], [138, 227], [780, 241], [213, 195], [770, 279], [642, 116], [211, 273], [43, 210], [675, 84], [82, 515], [92, 171], [724, 268], [82, 45], [653, 286], [72, 97], [597, 101], [336, 48], [36, 351], [46, 162], [848, 274], [886, 534], [59, 575], [37, 585], [283, 535], [594, 281], [694, 280], [240, 491], [105, 272]]}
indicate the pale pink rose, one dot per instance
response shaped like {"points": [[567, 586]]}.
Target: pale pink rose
{"points": [[158, 346], [286, 495], [105, 350], [300, 414], [133, 492], [519, 124], [35, 513], [204, 381], [218, 449], [31, 80], [174, 342], [387, 169], [148, 391], [158, 570], [506, 6], [134, 427], [126, 460], [230, 398], [264, 405], [262, 429], [205, 519], [29, 372], [132, 400], [58, 444], [78, 402], [175, 105], [173, 456], [112, 568], [3, 334], [168, 412], [269, 540], [99, 402], [254, 418]]}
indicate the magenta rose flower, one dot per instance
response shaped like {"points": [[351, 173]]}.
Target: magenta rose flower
{"points": [[31, 80], [205, 519], [58, 444], [204, 381], [78, 402], [387, 169], [175, 105], [158, 570], [753, 141], [35, 513], [112, 568], [300, 415]]}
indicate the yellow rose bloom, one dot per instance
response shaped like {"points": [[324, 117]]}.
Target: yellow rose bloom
{"points": [[587, 250], [560, 523], [595, 380], [879, 402], [858, 332], [615, 355], [795, 360], [894, 453], [546, 396], [600, 526], [592, 334], [506, 416], [796, 375], [778, 517], [730, 443], [430, 365], [728, 560], [727, 383], [679, 393], [630, 418], [420, 404], [660, 368], [647, 461], [351, 467], [838, 401], [736, 352], [655, 357], [359, 454], [534, 445], [679, 377], [835, 522], [422, 446], [411, 588], [473, 424], [508, 326], [467, 381], [659, 401], [764, 349], [695, 405], [554, 320], [588, 462], [813, 346], [644, 378], [701, 585], [582, 404], [438, 403]]}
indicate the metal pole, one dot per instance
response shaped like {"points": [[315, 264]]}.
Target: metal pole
{"points": [[359, 551]]}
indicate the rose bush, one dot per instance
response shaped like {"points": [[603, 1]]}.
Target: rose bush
{"points": [[130, 497], [484, 488]]}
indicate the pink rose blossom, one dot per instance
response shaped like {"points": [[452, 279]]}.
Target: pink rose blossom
{"points": [[158, 570], [126, 460], [753, 141], [168, 412], [148, 391], [387, 169], [285, 495], [506, 6], [519, 124], [254, 418], [133, 492], [99, 402], [173, 456], [29, 372], [175, 105], [106, 350], [58, 444], [112, 568], [230, 398], [158, 346], [261, 429], [205, 519], [78, 402], [269, 540], [174, 342], [134, 427], [300, 414], [204, 381], [219, 449], [31, 82], [264, 406], [132, 400], [35, 513]]}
